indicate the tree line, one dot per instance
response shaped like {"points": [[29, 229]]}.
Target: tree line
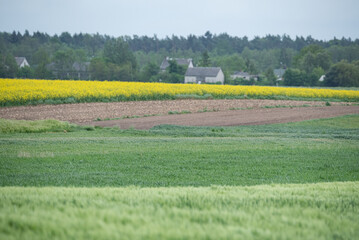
{"points": [[137, 58]]}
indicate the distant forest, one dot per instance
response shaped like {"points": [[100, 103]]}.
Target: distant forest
{"points": [[137, 58]]}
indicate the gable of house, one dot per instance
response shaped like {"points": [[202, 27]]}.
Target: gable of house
{"points": [[21, 62], [279, 73], [204, 75], [80, 70], [180, 61]]}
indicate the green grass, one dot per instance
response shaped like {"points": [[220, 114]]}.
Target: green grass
{"points": [[194, 96], [288, 106], [282, 181], [49, 125], [22, 126], [304, 152], [346, 127], [337, 88], [177, 112], [304, 211]]}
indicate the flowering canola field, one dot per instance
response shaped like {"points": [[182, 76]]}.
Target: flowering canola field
{"points": [[22, 91]]}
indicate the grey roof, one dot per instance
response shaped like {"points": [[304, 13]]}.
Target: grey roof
{"points": [[241, 74], [19, 60], [180, 61], [203, 71], [279, 72]]}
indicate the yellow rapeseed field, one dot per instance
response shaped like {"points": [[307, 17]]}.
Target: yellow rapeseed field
{"points": [[20, 91]]}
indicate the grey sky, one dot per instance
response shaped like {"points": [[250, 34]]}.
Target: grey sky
{"points": [[322, 19]]}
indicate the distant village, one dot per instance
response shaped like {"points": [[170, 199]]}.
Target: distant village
{"points": [[267, 61], [193, 74]]}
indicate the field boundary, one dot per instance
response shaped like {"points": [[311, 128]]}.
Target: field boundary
{"points": [[232, 118], [87, 112]]}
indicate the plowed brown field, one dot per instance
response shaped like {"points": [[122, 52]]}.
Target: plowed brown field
{"points": [[202, 112]]}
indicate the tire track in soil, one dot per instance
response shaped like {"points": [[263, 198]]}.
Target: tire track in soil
{"points": [[233, 117]]}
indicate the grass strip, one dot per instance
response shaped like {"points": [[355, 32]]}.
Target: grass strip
{"points": [[39, 126]]}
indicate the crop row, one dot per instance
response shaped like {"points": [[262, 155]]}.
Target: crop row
{"points": [[22, 91]]}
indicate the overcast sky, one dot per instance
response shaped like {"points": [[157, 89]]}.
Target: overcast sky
{"points": [[322, 19]]}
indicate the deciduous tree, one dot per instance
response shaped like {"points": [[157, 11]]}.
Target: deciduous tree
{"points": [[343, 74], [205, 60]]}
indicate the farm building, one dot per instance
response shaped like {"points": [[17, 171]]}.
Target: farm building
{"points": [[81, 70], [244, 76], [204, 75], [180, 61], [279, 73], [21, 62]]}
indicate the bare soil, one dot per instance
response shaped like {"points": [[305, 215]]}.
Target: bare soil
{"points": [[202, 112], [234, 118]]}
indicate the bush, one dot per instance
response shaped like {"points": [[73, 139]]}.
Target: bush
{"points": [[343, 74]]}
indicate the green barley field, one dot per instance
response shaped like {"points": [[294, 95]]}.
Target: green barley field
{"points": [[282, 181]]}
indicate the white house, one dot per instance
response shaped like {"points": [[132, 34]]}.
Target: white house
{"points": [[21, 62], [180, 61], [279, 72], [204, 75], [322, 78]]}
